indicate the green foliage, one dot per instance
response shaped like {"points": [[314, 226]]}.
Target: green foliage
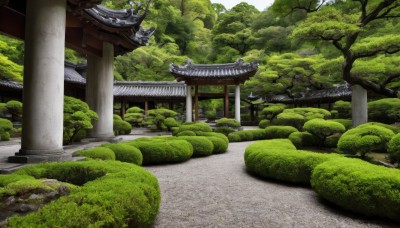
{"points": [[332, 140], [272, 111], [186, 133], [274, 132], [321, 129], [264, 123], [384, 110], [77, 117], [101, 153], [310, 113], [5, 127], [394, 149], [126, 153], [156, 118], [359, 186], [134, 109], [163, 150], [115, 194], [14, 108], [3, 110], [247, 135], [226, 126], [202, 146], [365, 138], [302, 139], [170, 123], [220, 145], [199, 126], [234, 137], [290, 119], [5, 136], [135, 119], [279, 159], [213, 134], [343, 109], [10, 70], [345, 122], [393, 128], [121, 127]]}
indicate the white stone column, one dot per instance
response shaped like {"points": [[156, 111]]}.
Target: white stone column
{"points": [[99, 91], [359, 105], [43, 99], [188, 103], [237, 102]]}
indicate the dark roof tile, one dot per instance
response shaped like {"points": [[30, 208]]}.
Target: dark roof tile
{"points": [[149, 89]]}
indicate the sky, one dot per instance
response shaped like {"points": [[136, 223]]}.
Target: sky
{"points": [[259, 4]]}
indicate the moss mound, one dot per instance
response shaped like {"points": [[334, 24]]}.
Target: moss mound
{"points": [[101, 153], [126, 153]]}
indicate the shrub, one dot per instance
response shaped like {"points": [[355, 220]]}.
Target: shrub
{"points": [[156, 118], [162, 150], [343, 109], [259, 134], [220, 146], [5, 128], [227, 122], [395, 129], [271, 111], [211, 115], [359, 186], [394, 149], [384, 110], [115, 194], [332, 141], [202, 146], [170, 123], [215, 134], [3, 110], [321, 129], [186, 133], [15, 109], [274, 132], [121, 127], [135, 109], [264, 123], [198, 126], [101, 153], [77, 117], [135, 119], [224, 130], [345, 122], [365, 138], [126, 153], [279, 159], [310, 113], [290, 119], [234, 137], [242, 136], [302, 139]]}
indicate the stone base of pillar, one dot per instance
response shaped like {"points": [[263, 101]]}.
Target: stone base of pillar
{"points": [[23, 158]]}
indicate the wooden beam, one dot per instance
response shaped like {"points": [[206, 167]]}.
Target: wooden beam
{"points": [[146, 107], [12, 23]]}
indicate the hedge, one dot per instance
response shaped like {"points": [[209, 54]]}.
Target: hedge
{"points": [[290, 119], [247, 135], [345, 122], [264, 123], [279, 159], [186, 133], [219, 135], [125, 153], [273, 132], [101, 153], [202, 146], [121, 127], [114, 194], [310, 113], [198, 126], [302, 139], [394, 149], [343, 109], [359, 186], [220, 145], [322, 129], [162, 150], [384, 110]]}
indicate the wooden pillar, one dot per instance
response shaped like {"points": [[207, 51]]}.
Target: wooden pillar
{"points": [[226, 102], [196, 103], [146, 107], [123, 107]]}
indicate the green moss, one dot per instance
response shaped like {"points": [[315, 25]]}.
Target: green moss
{"points": [[302, 139], [215, 134], [345, 122], [233, 137], [273, 132], [264, 123], [394, 149], [199, 126], [101, 153], [220, 145], [186, 133], [359, 186], [126, 153], [202, 146]]}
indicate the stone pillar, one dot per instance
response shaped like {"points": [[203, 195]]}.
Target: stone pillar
{"points": [[99, 91], [237, 102], [42, 132], [188, 103], [359, 105]]}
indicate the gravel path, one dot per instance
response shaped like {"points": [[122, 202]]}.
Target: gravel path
{"points": [[216, 191]]}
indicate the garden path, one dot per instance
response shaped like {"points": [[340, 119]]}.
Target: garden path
{"points": [[216, 191]]}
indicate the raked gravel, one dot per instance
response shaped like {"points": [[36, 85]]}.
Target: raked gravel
{"points": [[216, 191]]}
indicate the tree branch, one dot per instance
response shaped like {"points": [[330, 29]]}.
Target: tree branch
{"points": [[375, 12], [390, 79]]}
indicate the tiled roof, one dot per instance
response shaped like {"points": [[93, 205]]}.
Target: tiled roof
{"points": [[71, 75], [332, 94], [229, 70], [149, 89], [10, 85]]}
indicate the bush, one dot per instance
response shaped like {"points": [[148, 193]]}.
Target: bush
{"points": [[274, 132], [220, 146], [259, 134], [211, 115], [170, 123], [332, 141], [343, 109], [365, 138], [77, 118], [135, 119], [310, 113], [321, 129], [135, 109], [279, 159], [240, 136], [115, 194], [198, 126], [101, 153], [394, 149], [224, 130], [384, 110], [234, 137], [163, 150], [359, 186], [215, 134], [302, 139], [126, 153], [3, 110], [227, 122], [5, 128], [156, 118], [186, 133], [395, 129], [264, 123], [271, 111], [202, 146], [121, 127], [345, 122], [15, 109], [290, 119]]}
